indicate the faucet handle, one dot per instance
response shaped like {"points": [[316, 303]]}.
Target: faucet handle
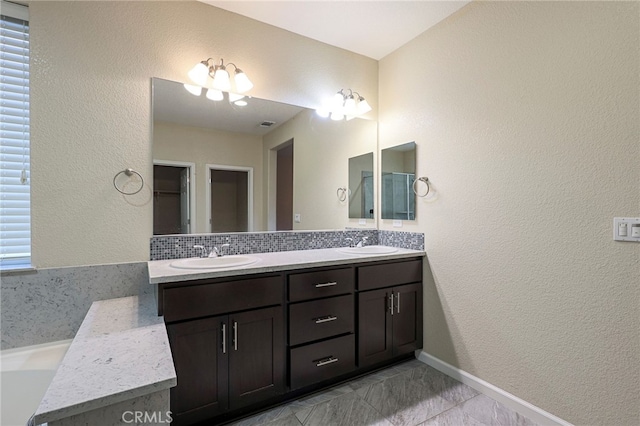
{"points": [[203, 248], [350, 240], [218, 251]]}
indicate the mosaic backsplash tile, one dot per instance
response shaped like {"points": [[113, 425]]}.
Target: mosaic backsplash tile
{"points": [[180, 246], [408, 240]]}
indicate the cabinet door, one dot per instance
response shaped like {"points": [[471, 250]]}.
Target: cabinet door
{"points": [[201, 368], [374, 327], [407, 318], [256, 356]]}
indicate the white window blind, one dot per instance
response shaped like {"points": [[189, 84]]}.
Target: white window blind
{"points": [[15, 209]]}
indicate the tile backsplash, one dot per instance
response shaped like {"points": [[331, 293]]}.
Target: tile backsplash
{"points": [[180, 246]]}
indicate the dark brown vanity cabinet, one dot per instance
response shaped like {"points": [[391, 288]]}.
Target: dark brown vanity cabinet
{"points": [[321, 325], [244, 343], [225, 362], [389, 311]]}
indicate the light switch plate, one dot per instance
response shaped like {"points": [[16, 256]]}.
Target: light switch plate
{"points": [[296, 218], [626, 233]]}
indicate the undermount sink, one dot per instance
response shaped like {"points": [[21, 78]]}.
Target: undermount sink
{"points": [[213, 262], [368, 250]]}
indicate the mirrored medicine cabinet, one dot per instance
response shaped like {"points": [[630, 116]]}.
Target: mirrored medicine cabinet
{"points": [[398, 200]]}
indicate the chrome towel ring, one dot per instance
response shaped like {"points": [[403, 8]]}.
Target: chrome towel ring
{"points": [[426, 181], [128, 172], [342, 194]]}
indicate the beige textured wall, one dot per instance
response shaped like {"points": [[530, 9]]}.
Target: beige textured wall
{"points": [[91, 101], [526, 116], [207, 146], [321, 149]]}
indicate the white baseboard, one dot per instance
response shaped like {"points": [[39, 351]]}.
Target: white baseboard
{"points": [[511, 401]]}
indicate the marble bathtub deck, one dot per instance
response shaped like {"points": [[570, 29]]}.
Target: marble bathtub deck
{"points": [[408, 394], [121, 352]]}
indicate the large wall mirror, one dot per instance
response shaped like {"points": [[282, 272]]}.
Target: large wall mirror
{"points": [[398, 200], [226, 166]]}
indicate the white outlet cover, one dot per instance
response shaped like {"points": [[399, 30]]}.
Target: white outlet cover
{"points": [[397, 223]]}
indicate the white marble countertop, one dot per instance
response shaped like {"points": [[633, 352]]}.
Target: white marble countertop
{"points": [[160, 271], [121, 351]]}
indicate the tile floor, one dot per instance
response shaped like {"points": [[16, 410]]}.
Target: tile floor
{"points": [[408, 394]]}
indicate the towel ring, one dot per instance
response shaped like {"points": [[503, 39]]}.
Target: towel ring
{"points": [[426, 181], [342, 194], [128, 172]]}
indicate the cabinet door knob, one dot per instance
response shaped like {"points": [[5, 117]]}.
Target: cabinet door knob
{"points": [[325, 319], [326, 284], [325, 361]]}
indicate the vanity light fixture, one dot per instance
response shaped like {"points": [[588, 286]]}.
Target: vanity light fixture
{"points": [[345, 105], [220, 80]]}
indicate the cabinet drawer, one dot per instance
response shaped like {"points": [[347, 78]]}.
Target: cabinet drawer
{"points": [[311, 285], [218, 298], [320, 319], [321, 361], [389, 274]]}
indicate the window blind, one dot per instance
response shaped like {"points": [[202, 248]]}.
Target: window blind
{"points": [[15, 209]]}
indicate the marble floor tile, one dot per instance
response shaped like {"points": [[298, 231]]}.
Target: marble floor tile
{"points": [[291, 420], [492, 413], [386, 373], [318, 398], [443, 385], [408, 394], [277, 414], [455, 416], [404, 401], [346, 410]]}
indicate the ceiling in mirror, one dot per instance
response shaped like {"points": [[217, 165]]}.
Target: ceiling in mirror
{"points": [[172, 103]]}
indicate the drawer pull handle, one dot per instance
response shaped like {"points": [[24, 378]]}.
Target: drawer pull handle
{"points": [[398, 301], [325, 319], [326, 284], [325, 361]]}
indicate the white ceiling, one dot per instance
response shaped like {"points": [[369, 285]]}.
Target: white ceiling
{"points": [[370, 28]]}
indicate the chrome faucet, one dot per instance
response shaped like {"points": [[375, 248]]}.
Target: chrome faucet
{"points": [[212, 252], [350, 241], [362, 242], [217, 252], [204, 252]]}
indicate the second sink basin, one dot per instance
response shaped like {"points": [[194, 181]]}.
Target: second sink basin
{"points": [[213, 262], [368, 250]]}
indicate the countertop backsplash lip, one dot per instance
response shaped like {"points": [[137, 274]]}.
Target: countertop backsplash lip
{"points": [[178, 246]]}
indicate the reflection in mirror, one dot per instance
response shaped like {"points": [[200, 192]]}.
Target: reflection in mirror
{"points": [[173, 204], [361, 186], [298, 160], [398, 173]]}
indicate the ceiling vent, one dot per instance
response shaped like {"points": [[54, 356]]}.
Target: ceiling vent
{"points": [[267, 123]]}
